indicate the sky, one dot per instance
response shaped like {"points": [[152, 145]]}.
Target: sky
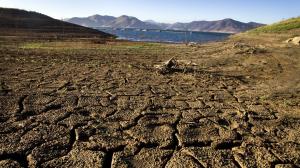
{"points": [[170, 11]]}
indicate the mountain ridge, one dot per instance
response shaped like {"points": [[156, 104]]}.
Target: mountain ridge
{"points": [[227, 25]]}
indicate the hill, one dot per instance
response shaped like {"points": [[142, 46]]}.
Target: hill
{"points": [[113, 22], [280, 27], [16, 22], [92, 21], [225, 26], [130, 22]]}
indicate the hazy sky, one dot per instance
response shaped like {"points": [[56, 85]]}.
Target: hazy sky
{"points": [[264, 11]]}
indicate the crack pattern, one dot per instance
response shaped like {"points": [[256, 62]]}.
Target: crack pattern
{"points": [[116, 110]]}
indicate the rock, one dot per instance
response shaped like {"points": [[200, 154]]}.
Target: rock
{"points": [[169, 66], [173, 65], [243, 48], [192, 44], [295, 40], [240, 45], [288, 40]]}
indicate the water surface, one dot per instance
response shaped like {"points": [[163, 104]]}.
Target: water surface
{"points": [[165, 35]]}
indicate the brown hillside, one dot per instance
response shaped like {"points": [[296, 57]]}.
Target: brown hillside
{"points": [[21, 22]]}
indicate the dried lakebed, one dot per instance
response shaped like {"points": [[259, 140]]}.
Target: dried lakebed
{"points": [[81, 104]]}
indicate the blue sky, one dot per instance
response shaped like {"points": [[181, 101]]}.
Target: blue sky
{"points": [[264, 11]]}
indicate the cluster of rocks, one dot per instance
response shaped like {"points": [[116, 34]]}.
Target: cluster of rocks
{"points": [[247, 49]]}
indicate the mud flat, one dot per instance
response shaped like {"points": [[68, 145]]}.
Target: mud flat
{"points": [[85, 104]]}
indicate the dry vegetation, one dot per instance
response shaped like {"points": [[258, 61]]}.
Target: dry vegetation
{"points": [[280, 27]]}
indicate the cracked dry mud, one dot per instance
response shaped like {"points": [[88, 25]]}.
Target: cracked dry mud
{"points": [[74, 106]]}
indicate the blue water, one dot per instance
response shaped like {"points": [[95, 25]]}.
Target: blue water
{"points": [[165, 35]]}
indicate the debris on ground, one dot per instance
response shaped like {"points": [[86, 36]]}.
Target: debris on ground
{"points": [[167, 67], [192, 44], [173, 65], [247, 49]]}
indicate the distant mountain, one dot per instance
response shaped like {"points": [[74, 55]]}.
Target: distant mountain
{"points": [[16, 21], [226, 25], [160, 25], [92, 21], [113, 22], [130, 22], [151, 21]]}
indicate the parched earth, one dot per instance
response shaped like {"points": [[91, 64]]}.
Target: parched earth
{"points": [[82, 104]]}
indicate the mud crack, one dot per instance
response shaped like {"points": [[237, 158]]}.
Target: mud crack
{"points": [[20, 158], [108, 160]]}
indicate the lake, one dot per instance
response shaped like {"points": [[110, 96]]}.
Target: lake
{"points": [[168, 36]]}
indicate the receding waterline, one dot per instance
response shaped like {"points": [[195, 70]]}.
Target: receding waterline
{"points": [[165, 36]]}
